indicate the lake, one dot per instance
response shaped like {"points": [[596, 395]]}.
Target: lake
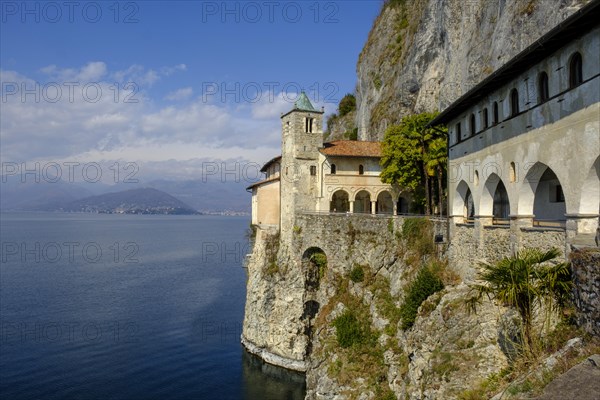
{"points": [[128, 307]]}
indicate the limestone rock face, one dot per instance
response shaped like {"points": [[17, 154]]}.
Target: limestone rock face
{"points": [[449, 350], [290, 318], [273, 328], [585, 264], [446, 352], [423, 54], [341, 127]]}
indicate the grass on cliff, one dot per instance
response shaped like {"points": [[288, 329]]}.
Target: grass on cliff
{"points": [[354, 351], [424, 285], [271, 248]]}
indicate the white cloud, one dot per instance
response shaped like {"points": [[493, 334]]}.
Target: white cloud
{"points": [[171, 70], [145, 77], [109, 127], [91, 72], [270, 106], [180, 94]]}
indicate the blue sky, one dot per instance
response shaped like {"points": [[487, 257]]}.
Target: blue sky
{"points": [[168, 84]]}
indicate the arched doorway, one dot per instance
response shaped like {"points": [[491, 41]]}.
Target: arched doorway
{"points": [[339, 202], [385, 204], [362, 202]]}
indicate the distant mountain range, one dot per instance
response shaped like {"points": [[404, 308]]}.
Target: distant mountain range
{"points": [[205, 197], [134, 201]]}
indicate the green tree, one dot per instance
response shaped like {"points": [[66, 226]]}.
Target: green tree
{"points": [[436, 160], [347, 104], [525, 281], [406, 149]]}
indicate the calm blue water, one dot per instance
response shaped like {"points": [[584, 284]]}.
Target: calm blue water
{"points": [[127, 307]]}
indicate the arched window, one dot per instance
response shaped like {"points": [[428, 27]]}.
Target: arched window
{"points": [[575, 70], [496, 113], [485, 119], [514, 102], [361, 169], [333, 169], [472, 124], [543, 87], [513, 172], [469, 208]]}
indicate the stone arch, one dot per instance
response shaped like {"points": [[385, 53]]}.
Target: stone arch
{"points": [[541, 194], [339, 201], [501, 206], [385, 203], [314, 263], [460, 204], [589, 202], [362, 201], [494, 198]]}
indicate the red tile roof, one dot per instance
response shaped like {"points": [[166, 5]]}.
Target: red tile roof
{"points": [[352, 148]]}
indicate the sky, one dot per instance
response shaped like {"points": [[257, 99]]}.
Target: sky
{"points": [[166, 86]]}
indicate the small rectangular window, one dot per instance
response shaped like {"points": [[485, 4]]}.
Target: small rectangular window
{"points": [[458, 133], [313, 170]]}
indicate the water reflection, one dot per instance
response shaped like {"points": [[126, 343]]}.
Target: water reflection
{"points": [[268, 382]]}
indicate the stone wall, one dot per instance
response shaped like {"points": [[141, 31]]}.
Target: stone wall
{"points": [[472, 244], [586, 275]]}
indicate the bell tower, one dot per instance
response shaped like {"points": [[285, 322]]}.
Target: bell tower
{"points": [[301, 139]]}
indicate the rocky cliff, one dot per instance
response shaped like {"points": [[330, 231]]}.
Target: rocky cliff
{"points": [[423, 54], [294, 308]]}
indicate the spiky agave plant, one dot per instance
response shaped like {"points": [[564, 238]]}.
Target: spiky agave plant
{"points": [[525, 281]]}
